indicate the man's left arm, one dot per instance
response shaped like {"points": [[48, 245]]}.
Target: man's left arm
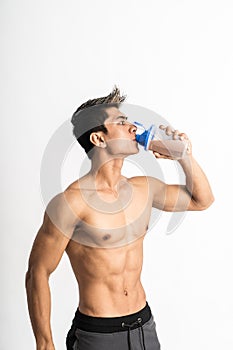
{"points": [[197, 183], [196, 194]]}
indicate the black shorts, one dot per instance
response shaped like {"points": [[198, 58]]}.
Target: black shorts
{"points": [[131, 332]]}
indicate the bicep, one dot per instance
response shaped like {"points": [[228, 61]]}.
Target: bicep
{"points": [[178, 198], [48, 247], [172, 198], [53, 235]]}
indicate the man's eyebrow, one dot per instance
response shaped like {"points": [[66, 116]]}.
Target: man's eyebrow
{"points": [[122, 117]]}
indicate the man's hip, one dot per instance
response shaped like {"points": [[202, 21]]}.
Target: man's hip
{"points": [[131, 332]]}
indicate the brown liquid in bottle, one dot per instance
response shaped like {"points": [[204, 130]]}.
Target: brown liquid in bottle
{"points": [[171, 148]]}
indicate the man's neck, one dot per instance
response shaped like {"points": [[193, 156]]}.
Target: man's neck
{"points": [[108, 175]]}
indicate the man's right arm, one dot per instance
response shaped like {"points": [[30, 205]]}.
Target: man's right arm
{"points": [[48, 248]]}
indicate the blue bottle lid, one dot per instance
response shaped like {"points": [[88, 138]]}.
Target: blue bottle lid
{"points": [[145, 138]]}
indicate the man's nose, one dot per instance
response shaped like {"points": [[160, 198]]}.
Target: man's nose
{"points": [[132, 128]]}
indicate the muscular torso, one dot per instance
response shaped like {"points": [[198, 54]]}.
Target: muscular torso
{"points": [[106, 249]]}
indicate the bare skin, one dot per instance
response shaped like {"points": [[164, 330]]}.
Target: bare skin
{"points": [[105, 246]]}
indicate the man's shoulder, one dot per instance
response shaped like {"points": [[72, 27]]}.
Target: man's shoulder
{"points": [[68, 196], [67, 203], [78, 185], [138, 179], [73, 187]]}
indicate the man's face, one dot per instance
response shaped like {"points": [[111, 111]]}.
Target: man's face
{"points": [[121, 133]]}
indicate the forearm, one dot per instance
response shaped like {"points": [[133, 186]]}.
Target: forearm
{"points": [[39, 306], [197, 183]]}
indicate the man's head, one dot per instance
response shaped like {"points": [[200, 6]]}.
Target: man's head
{"points": [[95, 122]]}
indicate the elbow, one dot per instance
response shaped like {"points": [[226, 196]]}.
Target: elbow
{"points": [[210, 202], [28, 277], [33, 275], [206, 204]]}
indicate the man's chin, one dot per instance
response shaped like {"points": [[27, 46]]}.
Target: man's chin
{"points": [[131, 153], [127, 151], [136, 151]]}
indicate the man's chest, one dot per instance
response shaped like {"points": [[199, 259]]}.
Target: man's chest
{"points": [[111, 221]]}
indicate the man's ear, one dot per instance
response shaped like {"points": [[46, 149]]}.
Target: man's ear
{"points": [[97, 139]]}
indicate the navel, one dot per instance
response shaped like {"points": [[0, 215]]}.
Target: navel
{"points": [[125, 292]]}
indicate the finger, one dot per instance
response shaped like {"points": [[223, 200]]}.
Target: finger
{"points": [[169, 130], [157, 155], [176, 134], [189, 148], [161, 156], [183, 136], [162, 127]]}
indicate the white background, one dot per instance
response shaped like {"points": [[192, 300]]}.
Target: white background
{"points": [[174, 57]]}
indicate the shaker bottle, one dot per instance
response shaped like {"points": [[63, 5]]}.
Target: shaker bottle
{"points": [[157, 140]]}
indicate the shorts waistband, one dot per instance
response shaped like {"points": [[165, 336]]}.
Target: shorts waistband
{"points": [[112, 324]]}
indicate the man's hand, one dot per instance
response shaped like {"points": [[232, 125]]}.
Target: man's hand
{"points": [[176, 135]]}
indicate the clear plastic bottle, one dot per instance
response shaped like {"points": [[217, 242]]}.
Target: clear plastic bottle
{"points": [[155, 139]]}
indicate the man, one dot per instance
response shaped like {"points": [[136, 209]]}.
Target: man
{"points": [[100, 220]]}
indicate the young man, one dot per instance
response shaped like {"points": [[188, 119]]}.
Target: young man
{"points": [[100, 220]]}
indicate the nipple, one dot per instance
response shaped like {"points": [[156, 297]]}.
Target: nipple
{"points": [[106, 237]]}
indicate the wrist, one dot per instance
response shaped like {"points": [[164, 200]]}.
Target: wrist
{"points": [[186, 160], [45, 345]]}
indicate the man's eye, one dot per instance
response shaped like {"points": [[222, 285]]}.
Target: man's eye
{"points": [[122, 122]]}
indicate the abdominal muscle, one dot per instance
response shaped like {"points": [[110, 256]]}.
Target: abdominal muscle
{"points": [[108, 279]]}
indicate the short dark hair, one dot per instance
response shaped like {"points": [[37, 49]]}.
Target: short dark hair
{"points": [[90, 117]]}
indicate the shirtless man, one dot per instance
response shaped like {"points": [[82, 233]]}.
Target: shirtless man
{"points": [[100, 220]]}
